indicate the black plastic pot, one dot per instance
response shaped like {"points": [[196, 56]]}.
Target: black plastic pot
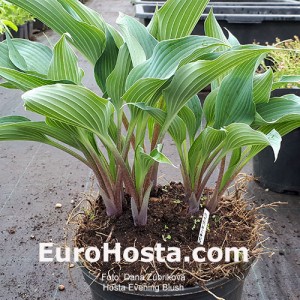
{"points": [[22, 32], [39, 25], [30, 29], [283, 176], [230, 289], [257, 21]]}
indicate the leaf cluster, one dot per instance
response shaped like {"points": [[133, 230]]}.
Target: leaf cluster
{"points": [[150, 78]]}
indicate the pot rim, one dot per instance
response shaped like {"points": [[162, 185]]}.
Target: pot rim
{"points": [[187, 290]]}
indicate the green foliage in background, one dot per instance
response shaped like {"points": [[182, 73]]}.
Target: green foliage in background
{"points": [[286, 63], [12, 14]]}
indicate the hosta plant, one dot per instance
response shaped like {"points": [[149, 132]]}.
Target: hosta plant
{"points": [[149, 78]]}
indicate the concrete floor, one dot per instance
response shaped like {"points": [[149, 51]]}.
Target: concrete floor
{"points": [[34, 177]]}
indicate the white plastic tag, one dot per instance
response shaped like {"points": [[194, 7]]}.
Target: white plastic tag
{"points": [[203, 226]]}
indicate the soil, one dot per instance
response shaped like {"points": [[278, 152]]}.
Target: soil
{"points": [[234, 224]]}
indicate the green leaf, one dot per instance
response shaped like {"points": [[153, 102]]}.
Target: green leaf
{"points": [[13, 132], [22, 80], [107, 62], [208, 140], [71, 104], [85, 14], [241, 135], [188, 117], [153, 25], [144, 90], [284, 80], [10, 24], [12, 119], [292, 97], [177, 18], [158, 156], [209, 107], [115, 83], [177, 129], [21, 129], [91, 17], [195, 105], [233, 165], [277, 110], [168, 55], [140, 43], [8, 85], [14, 55], [146, 81], [144, 162], [262, 87], [283, 128], [116, 35], [64, 65], [60, 131], [191, 115], [213, 29], [158, 114], [232, 40], [202, 73], [274, 139], [240, 158], [5, 61], [234, 103], [201, 53], [151, 125], [36, 55], [88, 39], [54, 131]]}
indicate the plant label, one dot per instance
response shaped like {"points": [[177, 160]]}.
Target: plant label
{"points": [[203, 226]]}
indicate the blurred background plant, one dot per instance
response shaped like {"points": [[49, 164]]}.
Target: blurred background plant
{"points": [[6, 25], [285, 63], [12, 14]]}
